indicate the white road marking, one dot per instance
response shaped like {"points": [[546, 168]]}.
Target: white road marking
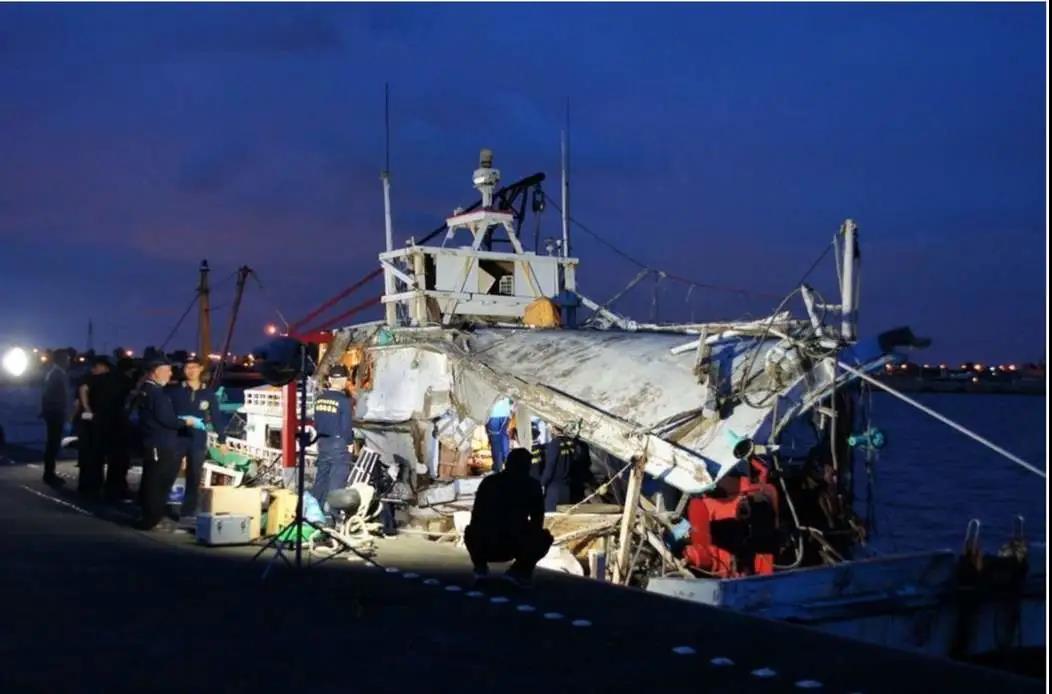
{"points": [[498, 599], [474, 594], [581, 623], [683, 650], [453, 589], [525, 608], [720, 661], [391, 570], [552, 616], [764, 672], [410, 575], [431, 581], [58, 501], [808, 684]]}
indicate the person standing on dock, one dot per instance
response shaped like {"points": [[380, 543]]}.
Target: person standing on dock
{"points": [[54, 410], [100, 404], [192, 398], [160, 429], [332, 420], [497, 432]]}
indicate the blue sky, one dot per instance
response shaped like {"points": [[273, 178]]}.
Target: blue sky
{"points": [[724, 143]]}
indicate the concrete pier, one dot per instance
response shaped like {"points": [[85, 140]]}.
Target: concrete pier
{"points": [[94, 605]]}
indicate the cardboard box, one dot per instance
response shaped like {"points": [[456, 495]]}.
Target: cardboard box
{"points": [[282, 510], [246, 501]]}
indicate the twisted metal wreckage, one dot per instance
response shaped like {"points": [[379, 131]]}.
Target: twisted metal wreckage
{"points": [[722, 452]]}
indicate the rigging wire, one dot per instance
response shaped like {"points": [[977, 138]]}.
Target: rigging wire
{"points": [[179, 322], [944, 419]]}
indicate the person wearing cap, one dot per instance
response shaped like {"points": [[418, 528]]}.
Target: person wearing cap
{"points": [[160, 428], [192, 398], [332, 420], [99, 402]]}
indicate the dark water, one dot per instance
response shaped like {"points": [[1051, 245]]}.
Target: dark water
{"points": [[930, 480]]}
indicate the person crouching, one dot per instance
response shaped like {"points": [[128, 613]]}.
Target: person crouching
{"points": [[507, 521]]}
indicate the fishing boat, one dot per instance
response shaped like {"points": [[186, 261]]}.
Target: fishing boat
{"points": [[721, 455]]}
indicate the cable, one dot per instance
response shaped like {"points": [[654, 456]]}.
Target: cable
{"points": [[179, 322]]}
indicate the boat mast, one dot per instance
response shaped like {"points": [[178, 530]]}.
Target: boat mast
{"points": [[849, 282], [390, 309], [242, 275], [204, 315], [566, 182]]}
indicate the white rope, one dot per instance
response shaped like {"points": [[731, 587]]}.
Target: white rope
{"points": [[945, 420]]}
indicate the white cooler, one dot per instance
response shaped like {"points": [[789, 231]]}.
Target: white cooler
{"points": [[224, 529]]}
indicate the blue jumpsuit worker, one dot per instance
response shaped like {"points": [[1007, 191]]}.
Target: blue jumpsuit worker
{"points": [[192, 398], [160, 428], [332, 420], [507, 521], [497, 431], [566, 463]]}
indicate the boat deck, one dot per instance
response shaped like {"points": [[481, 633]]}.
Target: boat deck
{"points": [[94, 605]]}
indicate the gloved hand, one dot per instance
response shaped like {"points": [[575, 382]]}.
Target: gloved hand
{"points": [[195, 423], [87, 416]]}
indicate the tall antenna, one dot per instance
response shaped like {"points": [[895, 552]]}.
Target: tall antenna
{"points": [[390, 309], [566, 182]]}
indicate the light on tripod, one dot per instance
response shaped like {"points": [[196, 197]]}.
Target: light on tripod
{"points": [[16, 361]]}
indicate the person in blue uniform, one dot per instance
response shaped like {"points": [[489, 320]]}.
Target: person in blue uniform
{"points": [[192, 398], [332, 421], [497, 431], [160, 428]]}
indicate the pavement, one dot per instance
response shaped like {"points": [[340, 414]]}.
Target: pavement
{"points": [[93, 605]]}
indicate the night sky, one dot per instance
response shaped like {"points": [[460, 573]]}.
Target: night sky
{"points": [[720, 143]]}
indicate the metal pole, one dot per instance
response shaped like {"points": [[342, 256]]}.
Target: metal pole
{"points": [[849, 309], [565, 146], [390, 310], [204, 315]]}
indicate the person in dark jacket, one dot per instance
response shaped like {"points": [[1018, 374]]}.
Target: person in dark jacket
{"points": [[55, 411], [99, 397], [566, 463], [507, 521], [160, 429], [192, 398]]}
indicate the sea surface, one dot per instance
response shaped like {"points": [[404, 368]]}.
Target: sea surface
{"points": [[929, 479]]}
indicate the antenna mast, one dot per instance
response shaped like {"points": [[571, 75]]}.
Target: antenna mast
{"points": [[390, 309], [566, 182]]}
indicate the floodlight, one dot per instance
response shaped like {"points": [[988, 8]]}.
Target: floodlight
{"points": [[16, 361]]}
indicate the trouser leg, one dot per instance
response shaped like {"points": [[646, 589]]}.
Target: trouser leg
{"points": [[92, 459], [321, 479], [532, 548], [117, 467], [160, 468], [195, 460], [53, 424], [476, 549]]}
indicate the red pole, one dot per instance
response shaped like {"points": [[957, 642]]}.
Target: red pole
{"points": [[289, 427]]}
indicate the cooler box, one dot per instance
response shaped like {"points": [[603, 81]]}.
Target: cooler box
{"points": [[224, 529], [247, 501]]}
